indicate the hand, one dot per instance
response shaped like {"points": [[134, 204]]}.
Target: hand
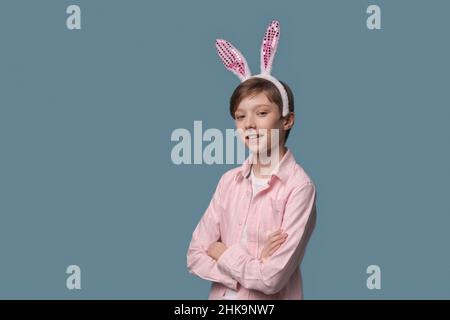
{"points": [[216, 249], [274, 241]]}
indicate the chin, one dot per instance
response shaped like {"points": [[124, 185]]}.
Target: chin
{"points": [[257, 149]]}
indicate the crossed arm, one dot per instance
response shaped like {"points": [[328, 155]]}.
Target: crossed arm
{"points": [[212, 260], [274, 241]]}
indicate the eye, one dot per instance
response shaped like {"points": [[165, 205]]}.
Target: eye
{"points": [[262, 113], [239, 117]]}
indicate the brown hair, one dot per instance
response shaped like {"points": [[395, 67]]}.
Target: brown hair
{"points": [[256, 85]]}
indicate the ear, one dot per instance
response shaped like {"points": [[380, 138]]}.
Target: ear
{"points": [[288, 121], [233, 59], [269, 46]]}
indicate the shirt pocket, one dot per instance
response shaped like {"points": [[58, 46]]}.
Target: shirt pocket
{"points": [[271, 219], [276, 213]]}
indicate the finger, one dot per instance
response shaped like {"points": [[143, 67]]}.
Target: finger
{"points": [[275, 247], [271, 252], [270, 235], [276, 243], [277, 237], [271, 242], [264, 255]]}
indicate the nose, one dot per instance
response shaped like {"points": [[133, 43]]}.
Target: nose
{"points": [[249, 122]]}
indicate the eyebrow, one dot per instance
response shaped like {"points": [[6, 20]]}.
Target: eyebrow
{"points": [[256, 106]]}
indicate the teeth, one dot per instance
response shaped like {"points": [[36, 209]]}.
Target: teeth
{"points": [[254, 136]]}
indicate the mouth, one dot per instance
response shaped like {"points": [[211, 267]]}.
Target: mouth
{"points": [[253, 136]]}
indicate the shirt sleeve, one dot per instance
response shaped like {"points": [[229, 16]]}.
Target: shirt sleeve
{"points": [[207, 232], [271, 275]]}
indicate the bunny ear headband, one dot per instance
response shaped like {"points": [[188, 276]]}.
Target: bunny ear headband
{"points": [[234, 60]]}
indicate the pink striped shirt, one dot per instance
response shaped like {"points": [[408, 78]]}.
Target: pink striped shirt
{"points": [[288, 202]]}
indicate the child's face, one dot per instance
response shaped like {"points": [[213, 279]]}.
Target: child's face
{"points": [[258, 119]]}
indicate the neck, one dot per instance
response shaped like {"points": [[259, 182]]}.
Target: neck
{"points": [[265, 164]]}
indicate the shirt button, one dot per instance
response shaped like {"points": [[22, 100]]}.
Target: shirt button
{"points": [[248, 193]]}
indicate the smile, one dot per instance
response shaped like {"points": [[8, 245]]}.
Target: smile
{"points": [[253, 136]]}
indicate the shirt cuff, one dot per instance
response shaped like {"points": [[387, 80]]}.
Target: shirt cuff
{"points": [[229, 282]]}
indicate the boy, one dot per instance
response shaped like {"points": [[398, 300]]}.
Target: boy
{"points": [[253, 235]]}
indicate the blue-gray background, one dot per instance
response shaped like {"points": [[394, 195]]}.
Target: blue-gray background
{"points": [[86, 116]]}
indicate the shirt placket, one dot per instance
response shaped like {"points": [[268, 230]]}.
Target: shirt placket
{"points": [[258, 218], [243, 219]]}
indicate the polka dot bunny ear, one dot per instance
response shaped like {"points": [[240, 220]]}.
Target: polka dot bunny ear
{"points": [[269, 46], [233, 59]]}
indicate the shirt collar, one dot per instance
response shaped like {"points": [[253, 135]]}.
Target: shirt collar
{"points": [[282, 171]]}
